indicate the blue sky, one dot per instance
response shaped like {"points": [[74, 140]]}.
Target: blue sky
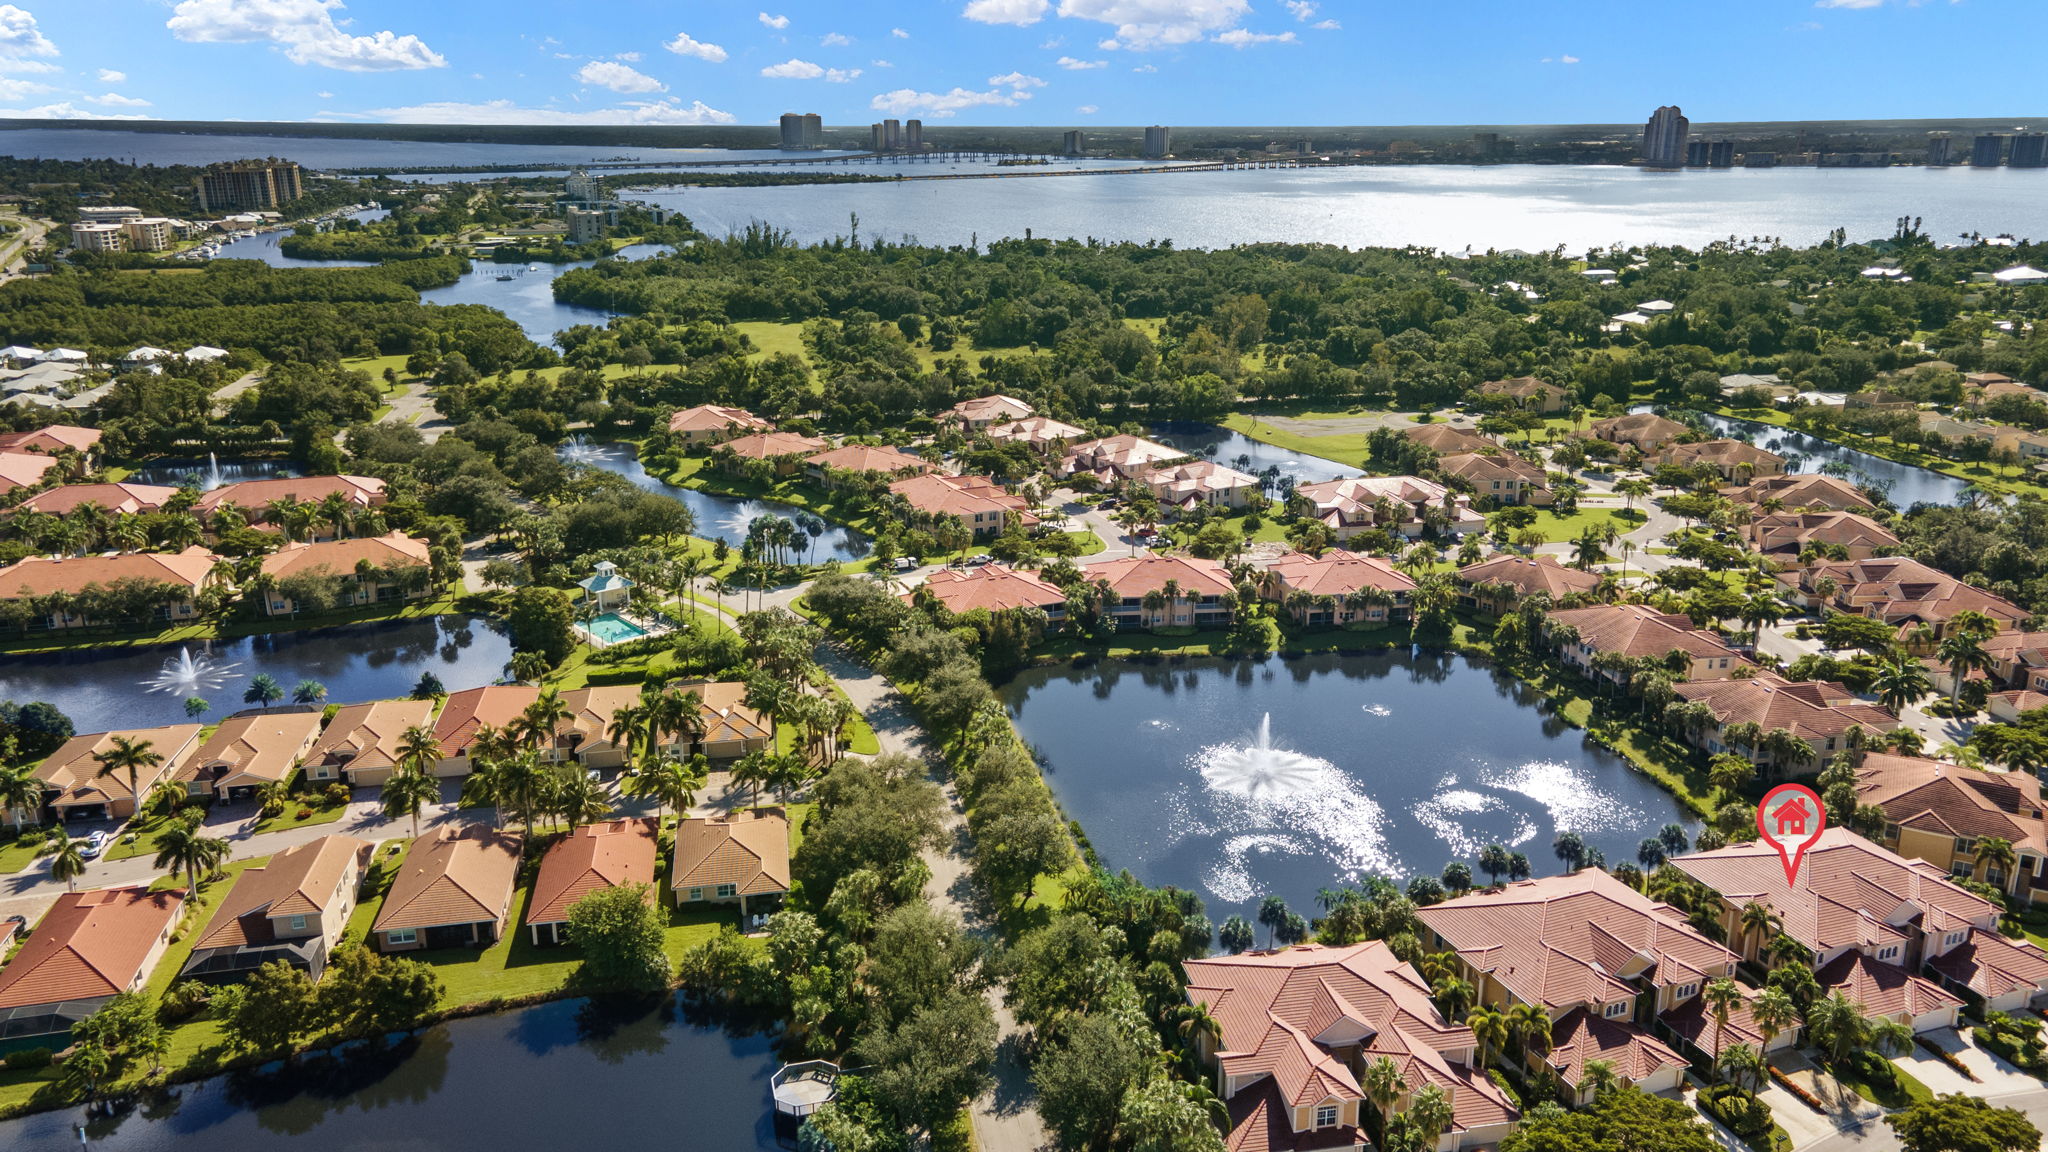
{"points": [[1055, 62]]}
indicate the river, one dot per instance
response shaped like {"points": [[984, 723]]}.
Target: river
{"points": [[558, 1076]]}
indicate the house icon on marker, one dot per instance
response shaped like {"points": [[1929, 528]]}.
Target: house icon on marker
{"points": [[1792, 817]]}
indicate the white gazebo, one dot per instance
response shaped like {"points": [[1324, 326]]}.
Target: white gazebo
{"points": [[606, 590]]}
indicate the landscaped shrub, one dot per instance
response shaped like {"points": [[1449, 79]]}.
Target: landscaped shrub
{"points": [[304, 814], [2016, 1041], [27, 1060], [1947, 1058], [184, 1000], [1798, 1093], [1739, 1109], [335, 794]]}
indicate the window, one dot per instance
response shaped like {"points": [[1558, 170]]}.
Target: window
{"points": [[696, 893], [402, 936], [1326, 1115], [1952, 939], [1686, 991], [1618, 1008], [1891, 831], [1966, 846], [298, 923], [728, 891], [1890, 952]]}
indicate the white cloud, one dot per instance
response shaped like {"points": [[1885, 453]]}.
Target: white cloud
{"points": [[12, 90], [1016, 80], [776, 22], [1244, 38], [835, 40], [1326, 25], [1087, 109], [841, 75], [1146, 68], [684, 45], [899, 33], [65, 110], [1567, 59], [116, 100], [1018, 12], [307, 31], [793, 70], [1073, 65], [631, 57], [1146, 24], [19, 36], [669, 111], [618, 77], [109, 76], [1303, 9], [330, 95], [939, 105], [880, 64]]}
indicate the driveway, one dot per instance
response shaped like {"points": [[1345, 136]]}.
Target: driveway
{"points": [[1995, 1077], [1844, 1108]]}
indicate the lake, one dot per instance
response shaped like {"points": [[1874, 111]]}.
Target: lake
{"points": [[718, 517], [1905, 484], [1236, 450], [527, 295], [550, 1077], [1238, 778], [1440, 206], [105, 688]]}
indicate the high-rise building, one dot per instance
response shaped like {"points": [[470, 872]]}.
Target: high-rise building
{"points": [[94, 236], [1695, 153], [892, 135], [149, 233], [877, 138], [1664, 137], [1988, 151], [1940, 150], [1158, 142], [814, 130], [248, 185], [1074, 142], [582, 187], [2029, 150], [1721, 154], [792, 125], [913, 135], [586, 225]]}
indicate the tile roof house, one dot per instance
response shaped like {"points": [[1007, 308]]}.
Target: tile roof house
{"points": [[1338, 588], [2019, 660], [1819, 712], [1398, 504], [254, 497], [1041, 434], [1447, 440], [1802, 491], [52, 439], [455, 888], [1497, 583], [731, 860], [120, 499], [1589, 945], [250, 750], [1200, 586], [373, 569], [1692, 1024], [731, 729], [1733, 459], [992, 587], [1887, 990], [182, 575], [981, 505], [1641, 632], [1786, 534], [1500, 477], [1939, 812], [2009, 707], [361, 744], [1529, 393], [87, 949], [1644, 431], [782, 449], [293, 908], [2009, 975], [1296, 1023], [465, 713], [590, 859], [1114, 459], [866, 458], [982, 411], [1202, 483], [710, 423], [1897, 590], [76, 790], [23, 470]]}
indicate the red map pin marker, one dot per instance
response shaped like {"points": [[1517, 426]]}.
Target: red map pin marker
{"points": [[1790, 819]]}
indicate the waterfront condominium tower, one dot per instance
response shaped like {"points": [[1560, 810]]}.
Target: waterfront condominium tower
{"points": [[250, 185], [1158, 141], [1664, 138], [802, 131]]}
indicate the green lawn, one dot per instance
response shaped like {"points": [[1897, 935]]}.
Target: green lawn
{"points": [[137, 838], [316, 813], [1558, 529], [1347, 448], [1906, 1090], [16, 855]]}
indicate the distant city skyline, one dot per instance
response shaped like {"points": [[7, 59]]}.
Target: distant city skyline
{"points": [[1076, 63]]}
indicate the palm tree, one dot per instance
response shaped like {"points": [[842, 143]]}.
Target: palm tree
{"points": [[1891, 1037], [1759, 923], [1383, 1085], [1598, 1078], [1773, 1012], [309, 692], [20, 791], [406, 792], [669, 782], [625, 730], [1995, 852], [1453, 996], [1489, 1032], [1723, 997], [579, 800], [1429, 1114], [68, 862], [418, 750], [542, 719], [1195, 1026], [754, 770], [1899, 681], [128, 757], [1963, 651], [1742, 1066], [1530, 1025], [1836, 1024], [180, 848]]}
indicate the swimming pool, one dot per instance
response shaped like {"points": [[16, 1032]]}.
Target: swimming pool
{"points": [[612, 628]]}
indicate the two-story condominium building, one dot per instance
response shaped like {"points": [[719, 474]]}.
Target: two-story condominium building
{"points": [[1042, 434], [1643, 633], [1820, 713], [1498, 583], [74, 788], [88, 948], [255, 499], [982, 506], [1529, 394], [1399, 504], [54, 438], [1195, 600], [454, 889], [1601, 959], [249, 751], [1646, 432], [865, 459], [118, 499], [711, 423], [293, 908], [1338, 588], [2019, 662], [992, 588], [1202, 483], [361, 745], [1734, 460], [1499, 477], [1896, 590], [983, 411], [1941, 813], [1298, 1028], [175, 579], [1784, 535], [372, 570], [1870, 917], [593, 858], [1448, 439], [784, 451], [1801, 492], [1114, 459]]}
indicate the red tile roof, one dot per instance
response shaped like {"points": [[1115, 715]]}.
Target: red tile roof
{"points": [[1338, 574], [1448, 440], [1802, 491], [590, 859], [716, 418], [1897, 590], [41, 575], [1260, 1121], [993, 587], [340, 557], [1883, 989], [770, 445], [1722, 454], [1641, 631], [367, 735], [1809, 709], [74, 774], [1644, 429], [1131, 577], [1949, 800], [962, 496], [23, 469], [1580, 1037], [750, 853], [1530, 574], [303, 880], [870, 458], [453, 876], [51, 439], [253, 496], [472, 708], [122, 499], [1792, 531], [90, 944], [1991, 965]]}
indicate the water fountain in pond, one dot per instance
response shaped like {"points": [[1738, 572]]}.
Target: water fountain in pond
{"points": [[579, 450], [189, 675], [1260, 771], [743, 517], [213, 477]]}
